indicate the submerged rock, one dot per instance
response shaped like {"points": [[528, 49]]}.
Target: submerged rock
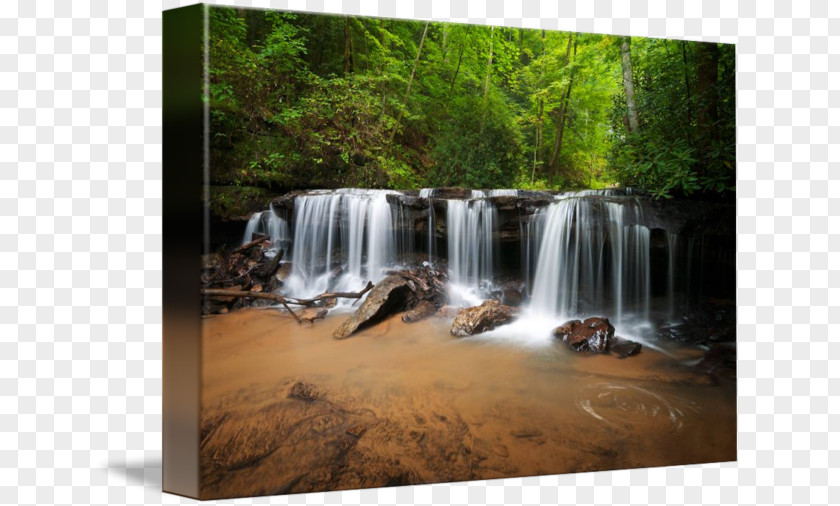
{"points": [[474, 320], [421, 311], [304, 391], [311, 314], [624, 348], [593, 334], [389, 296]]}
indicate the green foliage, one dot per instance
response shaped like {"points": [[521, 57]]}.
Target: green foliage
{"points": [[302, 101], [673, 154], [655, 166]]}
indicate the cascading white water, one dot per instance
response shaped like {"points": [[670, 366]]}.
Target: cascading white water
{"points": [[356, 224], [314, 236], [470, 225], [380, 237], [268, 223], [278, 230], [581, 256], [584, 255], [252, 227]]}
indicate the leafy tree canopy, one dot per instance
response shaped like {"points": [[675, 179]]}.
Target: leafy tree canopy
{"points": [[301, 101]]}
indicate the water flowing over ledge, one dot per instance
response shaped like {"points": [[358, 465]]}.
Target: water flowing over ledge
{"points": [[611, 252]]}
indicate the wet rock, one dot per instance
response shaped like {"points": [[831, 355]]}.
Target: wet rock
{"points": [[283, 272], [624, 348], [505, 203], [389, 296], [720, 360], [448, 311], [304, 391], [422, 310], [474, 320], [593, 334], [311, 314], [512, 293]]}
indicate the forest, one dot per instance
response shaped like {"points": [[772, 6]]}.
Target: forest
{"points": [[302, 101]]}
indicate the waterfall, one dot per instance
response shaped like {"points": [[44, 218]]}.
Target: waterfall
{"points": [[268, 223], [350, 228], [380, 238], [583, 255], [314, 241], [278, 230], [252, 227], [470, 225], [430, 230]]}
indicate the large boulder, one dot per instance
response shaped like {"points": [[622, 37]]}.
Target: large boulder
{"points": [[593, 334], [474, 320], [389, 296]]}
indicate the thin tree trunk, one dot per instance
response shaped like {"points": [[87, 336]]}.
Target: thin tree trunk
{"points": [[410, 80], [365, 45], [690, 107], [538, 144], [562, 114], [348, 67], [489, 66], [457, 69], [629, 93]]}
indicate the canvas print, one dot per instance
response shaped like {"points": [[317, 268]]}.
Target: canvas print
{"points": [[440, 252]]}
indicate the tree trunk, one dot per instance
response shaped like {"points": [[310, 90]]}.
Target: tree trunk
{"points": [[707, 73], [689, 106], [489, 66], [457, 69], [629, 93], [410, 80], [348, 67], [561, 116], [538, 143]]}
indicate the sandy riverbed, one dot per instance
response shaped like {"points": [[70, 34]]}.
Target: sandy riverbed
{"points": [[401, 404]]}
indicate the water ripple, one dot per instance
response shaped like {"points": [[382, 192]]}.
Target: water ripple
{"points": [[630, 407]]}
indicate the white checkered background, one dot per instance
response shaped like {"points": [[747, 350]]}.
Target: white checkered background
{"points": [[80, 252]]}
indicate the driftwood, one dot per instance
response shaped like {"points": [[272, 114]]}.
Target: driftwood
{"points": [[263, 270], [332, 295], [221, 292], [249, 245]]}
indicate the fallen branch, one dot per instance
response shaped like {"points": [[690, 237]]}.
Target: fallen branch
{"points": [[221, 292], [251, 244], [332, 295]]}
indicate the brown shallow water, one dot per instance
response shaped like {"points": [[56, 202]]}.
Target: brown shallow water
{"points": [[402, 404]]}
